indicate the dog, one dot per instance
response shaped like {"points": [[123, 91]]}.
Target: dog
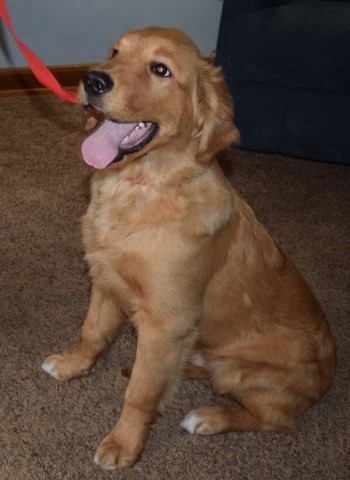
{"points": [[173, 248]]}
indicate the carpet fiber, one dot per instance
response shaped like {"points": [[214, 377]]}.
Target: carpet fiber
{"points": [[50, 430]]}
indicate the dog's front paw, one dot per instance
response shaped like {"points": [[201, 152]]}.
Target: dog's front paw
{"points": [[66, 366], [114, 453]]}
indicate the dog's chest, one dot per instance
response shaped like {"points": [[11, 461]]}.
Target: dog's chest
{"points": [[115, 220], [128, 242], [128, 217]]}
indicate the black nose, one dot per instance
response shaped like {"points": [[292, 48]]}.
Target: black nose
{"points": [[97, 83]]}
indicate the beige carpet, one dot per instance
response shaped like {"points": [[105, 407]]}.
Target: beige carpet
{"points": [[50, 430]]}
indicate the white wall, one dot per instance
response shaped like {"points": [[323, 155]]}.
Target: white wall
{"points": [[65, 32]]}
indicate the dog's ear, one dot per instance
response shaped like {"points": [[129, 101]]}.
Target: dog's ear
{"points": [[215, 130]]}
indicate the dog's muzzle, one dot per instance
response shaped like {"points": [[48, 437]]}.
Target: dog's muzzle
{"points": [[114, 138]]}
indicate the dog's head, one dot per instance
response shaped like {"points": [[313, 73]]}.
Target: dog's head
{"points": [[155, 90]]}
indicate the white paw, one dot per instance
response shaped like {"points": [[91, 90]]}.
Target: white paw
{"points": [[198, 360], [49, 367], [190, 423], [105, 467]]}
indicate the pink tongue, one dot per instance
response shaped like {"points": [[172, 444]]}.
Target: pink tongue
{"points": [[102, 146]]}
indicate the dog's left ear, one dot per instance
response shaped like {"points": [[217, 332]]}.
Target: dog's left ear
{"points": [[215, 129]]}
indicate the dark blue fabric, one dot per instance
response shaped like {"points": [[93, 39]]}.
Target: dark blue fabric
{"points": [[287, 65]]}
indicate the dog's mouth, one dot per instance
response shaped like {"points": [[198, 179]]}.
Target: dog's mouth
{"points": [[112, 140]]}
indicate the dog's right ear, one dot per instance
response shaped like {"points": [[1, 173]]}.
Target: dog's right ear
{"points": [[215, 129]]}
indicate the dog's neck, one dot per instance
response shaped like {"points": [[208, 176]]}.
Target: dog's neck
{"points": [[161, 171], [136, 180]]}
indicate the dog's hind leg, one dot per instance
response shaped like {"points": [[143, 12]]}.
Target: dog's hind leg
{"points": [[99, 329], [265, 396], [212, 419]]}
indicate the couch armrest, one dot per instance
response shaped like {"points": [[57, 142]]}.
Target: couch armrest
{"points": [[234, 8]]}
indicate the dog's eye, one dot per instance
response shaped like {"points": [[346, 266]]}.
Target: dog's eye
{"points": [[114, 52], [161, 70]]}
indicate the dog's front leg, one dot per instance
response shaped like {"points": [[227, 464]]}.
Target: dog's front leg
{"points": [[100, 327], [160, 360]]}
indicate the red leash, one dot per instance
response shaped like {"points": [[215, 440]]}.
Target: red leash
{"points": [[41, 72]]}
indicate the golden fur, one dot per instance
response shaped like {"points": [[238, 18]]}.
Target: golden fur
{"points": [[173, 248]]}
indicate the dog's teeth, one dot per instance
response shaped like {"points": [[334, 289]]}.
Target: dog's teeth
{"points": [[135, 129]]}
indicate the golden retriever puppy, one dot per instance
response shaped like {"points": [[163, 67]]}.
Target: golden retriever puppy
{"points": [[174, 249]]}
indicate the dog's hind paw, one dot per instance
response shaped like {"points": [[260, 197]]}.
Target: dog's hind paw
{"points": [[201, 421], [49, 367], [190, 423]]}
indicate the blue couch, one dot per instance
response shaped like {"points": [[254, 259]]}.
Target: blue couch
{"points": [[287, 65]]}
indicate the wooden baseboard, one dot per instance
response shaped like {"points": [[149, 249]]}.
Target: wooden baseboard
{"points": [[21, 81]]}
